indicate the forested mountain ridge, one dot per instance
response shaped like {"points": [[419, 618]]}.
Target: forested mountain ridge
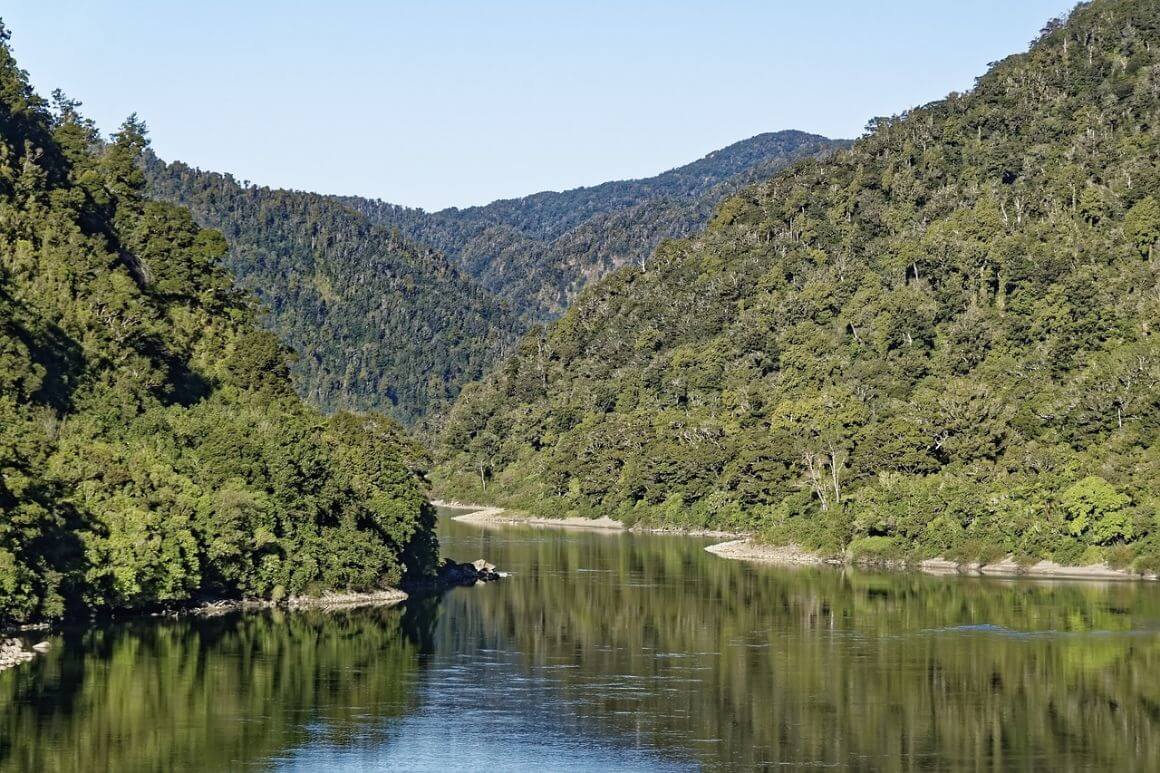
{"points": [[151, 447], [379, 323], [942, 341], [382, 320], [539, 251]]}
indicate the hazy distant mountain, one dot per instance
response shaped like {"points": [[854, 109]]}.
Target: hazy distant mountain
{"points": [[540, 250]]}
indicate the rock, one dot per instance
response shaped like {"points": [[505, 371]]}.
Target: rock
{"points": [[42, 646], [452, 573]]}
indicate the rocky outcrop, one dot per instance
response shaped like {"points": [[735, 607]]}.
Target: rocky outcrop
{"points": [[452, 573]]}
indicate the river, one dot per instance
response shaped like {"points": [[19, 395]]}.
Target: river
{"points": [[613, 651]]}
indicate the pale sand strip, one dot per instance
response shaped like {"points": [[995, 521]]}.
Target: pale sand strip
{"points": [[747, 550], [1044, 569], [483, 515]]}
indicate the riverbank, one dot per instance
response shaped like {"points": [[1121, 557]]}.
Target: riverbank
{"points": [[483, 515], [1043, 569], [742, 547], [487, 515], [748, 550], [387, 597]]}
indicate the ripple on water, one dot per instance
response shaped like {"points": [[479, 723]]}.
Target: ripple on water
{"points": [[1003, 631]]}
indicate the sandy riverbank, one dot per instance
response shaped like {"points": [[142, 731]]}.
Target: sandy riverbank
{"points": [[747, 550], [1043, 569], [482, 515], [741, 547]]}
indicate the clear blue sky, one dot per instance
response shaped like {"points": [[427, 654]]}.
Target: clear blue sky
{"points": [[450, 103]]}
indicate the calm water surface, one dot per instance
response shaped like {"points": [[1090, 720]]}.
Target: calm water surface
{"points": [[616, 652]]}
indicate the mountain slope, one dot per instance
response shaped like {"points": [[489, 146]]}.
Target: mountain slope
{"points": [[940, 341], [379, 323], [151, 449], [382, 323], [540, 250]]}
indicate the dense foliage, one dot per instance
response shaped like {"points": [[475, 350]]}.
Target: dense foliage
{"points": [[940, 341], [540, 250], [383, 324], [379, 323], [151, 448]]}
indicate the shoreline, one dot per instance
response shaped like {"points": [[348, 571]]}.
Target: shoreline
{"points": [[741, 547], [382, 598], [490, 515], [13, 651], [747, 550], [783, 555]]}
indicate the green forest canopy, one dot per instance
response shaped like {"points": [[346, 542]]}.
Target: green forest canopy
{"points": [[151, 447], [383, 323], [378, 322], [539, 251], [942, 341]]}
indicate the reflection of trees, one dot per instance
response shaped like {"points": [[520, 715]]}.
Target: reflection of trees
{"points": [[818, 665], [204, 694], [417, 621], [687, 653]]}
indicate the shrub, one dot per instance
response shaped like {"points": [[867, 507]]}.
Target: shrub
{"points": [[1097, 511], [875, 550]]}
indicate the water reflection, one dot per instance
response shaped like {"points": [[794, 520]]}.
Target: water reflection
{"points": [[742, 666], [206, 694], [617, 652]]}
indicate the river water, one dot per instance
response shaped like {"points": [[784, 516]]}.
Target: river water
{"points": [[615, 652]]}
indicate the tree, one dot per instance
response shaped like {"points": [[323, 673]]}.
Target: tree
{"points": [[822, 429], [1097, 511], [1142, 225]]}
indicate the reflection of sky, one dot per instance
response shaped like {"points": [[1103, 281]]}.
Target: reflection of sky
{"points": [[484, 704], [616, 652], [480, 711], [694, 660]]}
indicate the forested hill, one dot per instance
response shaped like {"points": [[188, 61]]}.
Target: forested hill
{"points": [[378, 323], [540, 250], [151, 448], [381, 320], [942, 341]]}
